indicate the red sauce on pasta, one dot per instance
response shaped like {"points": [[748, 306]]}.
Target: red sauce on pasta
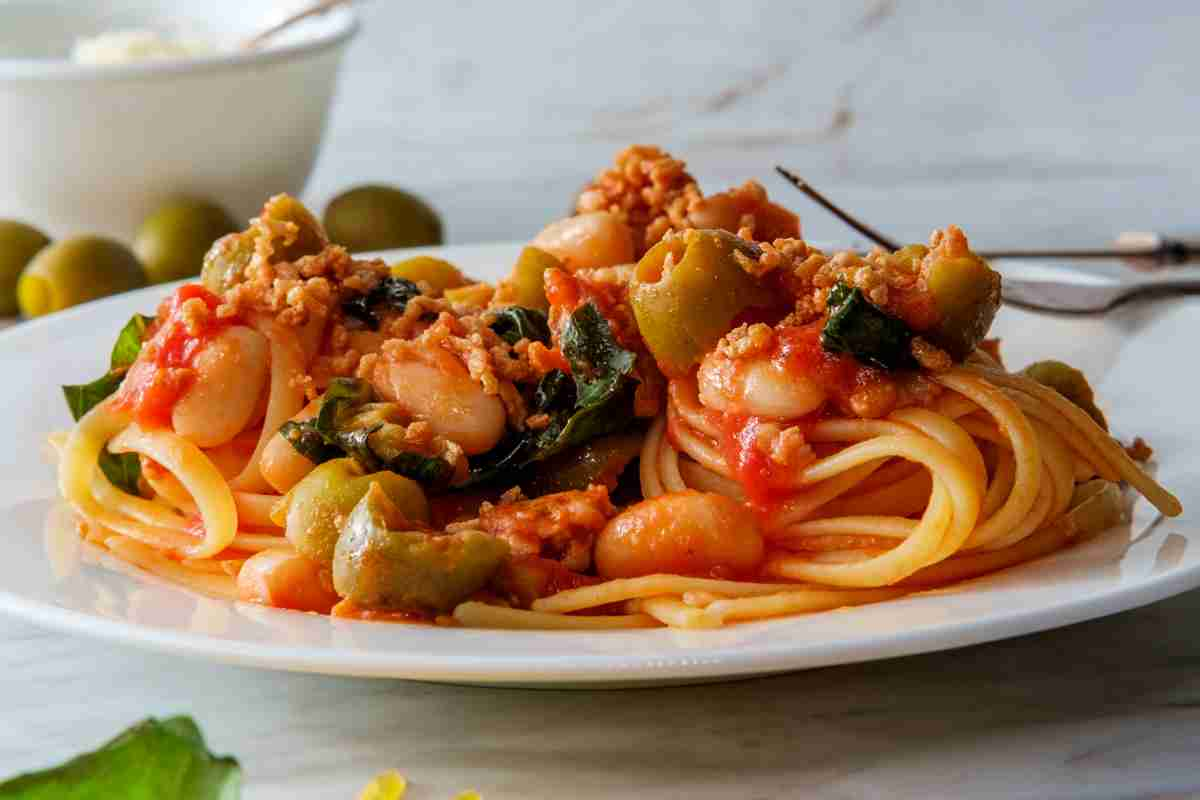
{"points": [[162, 372], [759, 476], [841, 376]]}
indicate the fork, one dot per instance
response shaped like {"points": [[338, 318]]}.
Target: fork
{"points": [[1091, 296]]}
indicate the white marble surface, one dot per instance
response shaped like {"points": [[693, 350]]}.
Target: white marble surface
{"points": [[1024, 122]]}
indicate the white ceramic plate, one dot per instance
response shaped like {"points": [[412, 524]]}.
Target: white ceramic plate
{"points": [[48, 577]]}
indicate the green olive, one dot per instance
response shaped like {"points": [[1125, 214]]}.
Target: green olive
{"points": [[225, 263], [309, 237], [380, 218], [966, 292], [525, 286], [1070, 383], [377, 566], [19, 243], [173, 241], [226, 260], [317, 506], [682, 312], [440, 275], [75, 271]]}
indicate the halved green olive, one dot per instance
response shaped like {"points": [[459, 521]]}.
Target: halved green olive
{"points": [[525, 286], [377, 566], [966, 292], [19, 243], [684, 310], [300, 235], [1070, 383], [380, 218], [440, 275], [173, 241], [75, 271], [318, 506]]}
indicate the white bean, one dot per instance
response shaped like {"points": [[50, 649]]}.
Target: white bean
{"points": [[597, 239], [231, 374], [432, 384], [758, 386]]}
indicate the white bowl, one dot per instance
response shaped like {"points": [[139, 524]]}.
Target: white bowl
{"points": [[95, 148]]}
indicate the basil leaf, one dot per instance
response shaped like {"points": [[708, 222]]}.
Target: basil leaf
{"points": [[152, 760], [391, 293], [858, 328], [123, 470], [515, 323], [129, 342], [84, 397]]}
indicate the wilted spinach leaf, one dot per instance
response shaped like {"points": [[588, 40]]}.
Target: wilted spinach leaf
{"points": [[858, 328], [341, 428], [392, 294], [597, 398], [515, 323]]}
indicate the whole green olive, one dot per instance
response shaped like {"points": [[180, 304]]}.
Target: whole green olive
{"points": [[380, 218], [75, 271], [173, 240], [19, 243]]}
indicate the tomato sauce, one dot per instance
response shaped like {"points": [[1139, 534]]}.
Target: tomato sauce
{"points": [[800, 352], [162, 372], [759, 476], [839, 375]]}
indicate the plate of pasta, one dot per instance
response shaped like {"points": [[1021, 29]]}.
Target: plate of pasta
{"points": [[668, 439]]}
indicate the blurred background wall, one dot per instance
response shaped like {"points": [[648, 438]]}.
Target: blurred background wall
{"points": [[1054, 122]]}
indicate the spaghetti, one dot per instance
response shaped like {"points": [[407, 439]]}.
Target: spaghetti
{"points": [[673, 412]]}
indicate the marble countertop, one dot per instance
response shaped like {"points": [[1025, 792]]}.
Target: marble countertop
{"points": [[1026, 123]]}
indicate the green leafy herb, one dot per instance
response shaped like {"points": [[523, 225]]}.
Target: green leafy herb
{"points": [[350, 424], [153, 760], [122, 469], [392, 294], [858, 328], [84, 397], [515, 323], [597, 398]]}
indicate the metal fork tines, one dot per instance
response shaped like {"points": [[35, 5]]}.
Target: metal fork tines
{"points": [[1084, 294]]}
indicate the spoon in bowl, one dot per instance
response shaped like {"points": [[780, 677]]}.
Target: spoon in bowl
{"points": [[320, 7]]}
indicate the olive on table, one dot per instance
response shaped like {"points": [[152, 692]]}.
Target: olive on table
{"points": [[378, 217], [439, 274], [173, 241], [682, 312], [19, 243], [75, 271], [377, 566], [318, 506]]}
